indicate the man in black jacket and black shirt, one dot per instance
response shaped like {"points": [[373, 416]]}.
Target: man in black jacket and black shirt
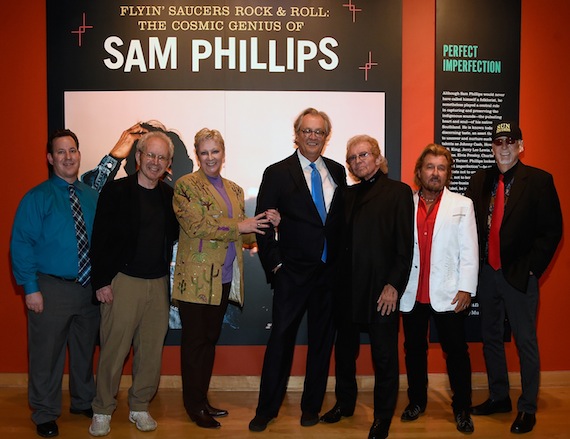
{"points": [[133, 234]]}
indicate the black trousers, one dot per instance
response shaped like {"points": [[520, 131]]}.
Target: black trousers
{"points": [[497, 298], [290, 301], [346, 351], [383, 332], [451, 331], [201, 328]]}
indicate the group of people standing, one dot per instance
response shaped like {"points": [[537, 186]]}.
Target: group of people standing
{"points": [[350, 258]]}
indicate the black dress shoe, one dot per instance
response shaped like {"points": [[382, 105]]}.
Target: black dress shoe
{"points": [[204, 420], [336, 414], [216, 413], [309, 419], [523, 423], [47, 429], [412, 412], [85, 412], [259, 423], [379, 429], [464, 422], [492, 406]]}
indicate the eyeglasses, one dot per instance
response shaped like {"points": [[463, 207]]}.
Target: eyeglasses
{"points": [[152, 156], [509, 140], [318, 132], [360, 156]]}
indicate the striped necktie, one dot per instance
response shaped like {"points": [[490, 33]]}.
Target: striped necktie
{"points": [[84, 265]]}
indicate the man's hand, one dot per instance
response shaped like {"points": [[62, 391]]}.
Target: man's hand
{"points": [[35, 302], [125, 143], [105, 294], [388, 300], [462, 300], [273, 216]]}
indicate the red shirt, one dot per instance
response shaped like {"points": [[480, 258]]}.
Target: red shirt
{"points": [[426, 223]]}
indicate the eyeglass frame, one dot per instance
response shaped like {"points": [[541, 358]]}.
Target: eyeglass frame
{"points": [[361, 156], [152, 156], [318, 132]]}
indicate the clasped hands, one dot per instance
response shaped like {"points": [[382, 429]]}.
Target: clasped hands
{"points": [[259, 222]]}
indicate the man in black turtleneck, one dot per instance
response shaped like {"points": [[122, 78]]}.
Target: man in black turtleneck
{"points": [[377, 259]]}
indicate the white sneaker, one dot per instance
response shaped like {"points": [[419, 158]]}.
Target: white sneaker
{"points": [[143, 421], [100, 425]]}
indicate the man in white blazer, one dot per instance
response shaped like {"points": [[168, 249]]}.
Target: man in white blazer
{"points": [[442, 282]]}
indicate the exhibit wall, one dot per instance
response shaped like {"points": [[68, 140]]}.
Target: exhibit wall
{"points": [[544, 92]]}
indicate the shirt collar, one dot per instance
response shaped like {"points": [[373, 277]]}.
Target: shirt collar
{"points": [[305, 162], [508, 176], [58, 181]]}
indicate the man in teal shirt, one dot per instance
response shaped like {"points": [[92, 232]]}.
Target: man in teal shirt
{"points": [[48, 261]]}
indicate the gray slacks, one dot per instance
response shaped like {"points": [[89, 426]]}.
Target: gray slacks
{"points": [[69, 320], [498, 298]]}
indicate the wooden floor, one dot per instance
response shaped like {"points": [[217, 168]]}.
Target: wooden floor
{"points": [[553, 419]]}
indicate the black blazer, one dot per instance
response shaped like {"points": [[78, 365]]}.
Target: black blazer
{"points": [[116, 228], [301, 232], [380, 242], [532, 223]]}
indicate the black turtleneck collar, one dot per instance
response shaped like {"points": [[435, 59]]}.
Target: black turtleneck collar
{"points": [[374, 178]]}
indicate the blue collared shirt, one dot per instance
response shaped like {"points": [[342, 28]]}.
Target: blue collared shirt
{"points": [[43, 235]]}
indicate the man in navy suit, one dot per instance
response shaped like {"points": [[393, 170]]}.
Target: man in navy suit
{"points": [[300, 265], [513, 256]]}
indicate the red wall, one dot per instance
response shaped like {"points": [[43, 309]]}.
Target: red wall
{"points": [[545, 95]]}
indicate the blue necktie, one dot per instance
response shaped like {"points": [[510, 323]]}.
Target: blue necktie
{"points": [[319, 200], [84, 265]]}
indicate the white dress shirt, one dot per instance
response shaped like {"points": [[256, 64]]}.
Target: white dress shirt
{"points": [[329, 186]]}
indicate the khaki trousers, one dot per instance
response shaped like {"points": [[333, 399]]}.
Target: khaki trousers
{"points": [[138, 316]]}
